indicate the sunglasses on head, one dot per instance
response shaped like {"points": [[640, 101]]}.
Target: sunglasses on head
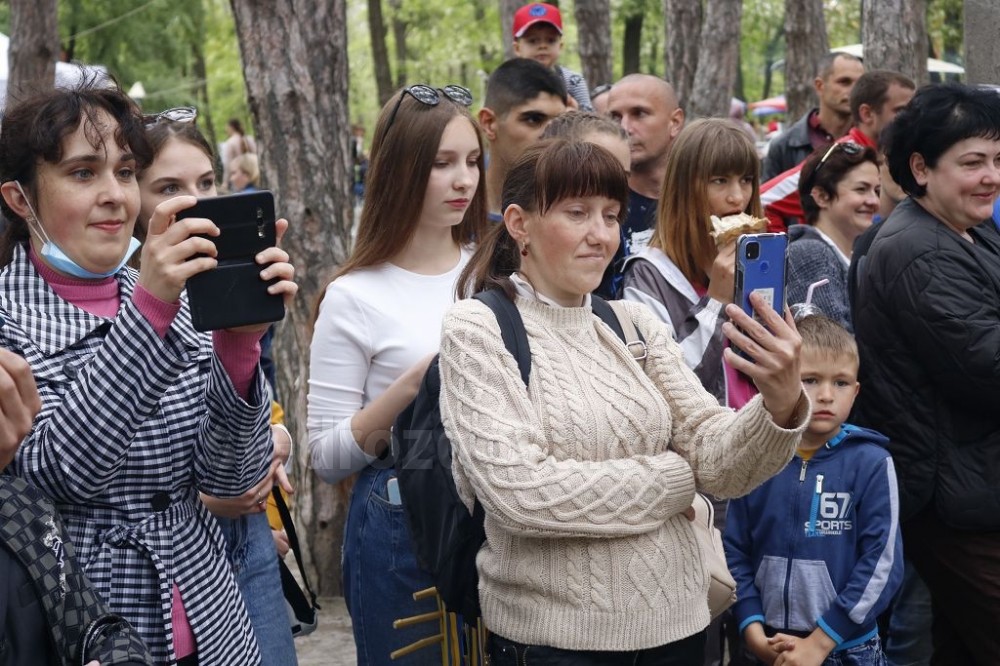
{"points": [[849, 148], [432, 97], [179, 114]]}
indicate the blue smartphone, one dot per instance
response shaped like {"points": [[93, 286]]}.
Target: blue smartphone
{"points": [[760, 269]]}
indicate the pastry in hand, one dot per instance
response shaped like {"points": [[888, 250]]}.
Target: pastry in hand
{"points": [[729, 228]]}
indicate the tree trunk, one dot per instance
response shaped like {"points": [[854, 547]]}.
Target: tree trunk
{"points": [[718, 59], [738, 85], [982, 48], [487, 52], [200, 70], [593, 24], [894, 34], [507, 9], [632, 43], [806, 43], [769, 55], [683, 36], [295, 66], [34, 46], [399, 30], [380, 52]]}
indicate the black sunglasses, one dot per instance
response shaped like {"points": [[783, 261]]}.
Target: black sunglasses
{"points": [[179, 114], [431, 97], [849, 148]]}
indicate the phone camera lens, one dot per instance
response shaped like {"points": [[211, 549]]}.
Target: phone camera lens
{"points": [[753, 250]]}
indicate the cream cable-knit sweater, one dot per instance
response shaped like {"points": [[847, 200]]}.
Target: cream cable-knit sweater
{"points": [[584, 476]]}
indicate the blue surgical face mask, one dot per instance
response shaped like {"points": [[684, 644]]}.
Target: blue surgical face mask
{"points": [[59, 260]]}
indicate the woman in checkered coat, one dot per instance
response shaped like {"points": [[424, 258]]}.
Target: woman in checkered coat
{"points": [[139, 411]]}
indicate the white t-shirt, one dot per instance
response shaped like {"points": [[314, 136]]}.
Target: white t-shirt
{"points": [[373, 325]]}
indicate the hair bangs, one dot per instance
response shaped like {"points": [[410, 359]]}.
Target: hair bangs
{"points": [[574, 169], [730, 152]]}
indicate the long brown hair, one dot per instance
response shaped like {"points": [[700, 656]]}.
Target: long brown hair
{"points": [[402, 156], [545, 174], [705, 148]]}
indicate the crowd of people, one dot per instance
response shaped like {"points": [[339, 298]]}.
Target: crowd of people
{"points": [[851, 452]]}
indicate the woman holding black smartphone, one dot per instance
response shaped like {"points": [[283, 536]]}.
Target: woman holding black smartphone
{"points": [[139, 411], [183, 164]]}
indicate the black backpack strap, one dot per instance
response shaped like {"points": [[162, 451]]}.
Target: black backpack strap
{"points": [[293, 539], [515, 339]]}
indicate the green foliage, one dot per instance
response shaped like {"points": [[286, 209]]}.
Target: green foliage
{"points": [[156, 42], [762, 22], [945, 27], [651, 59], [150, 44], [226, 89]]}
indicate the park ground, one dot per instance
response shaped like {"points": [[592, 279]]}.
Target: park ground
{"points": [[332, 644]]}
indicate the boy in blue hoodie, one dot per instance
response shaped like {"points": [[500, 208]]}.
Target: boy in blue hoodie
{"points": [[816, 551]]}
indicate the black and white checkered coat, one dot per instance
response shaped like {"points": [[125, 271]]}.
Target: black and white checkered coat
{"points": [[131, 428]]}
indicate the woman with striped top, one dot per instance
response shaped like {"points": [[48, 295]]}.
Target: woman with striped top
{"points": [[139, 411]]}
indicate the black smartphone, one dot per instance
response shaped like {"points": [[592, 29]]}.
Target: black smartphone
{"points": [[233, 293], [760, 268]]}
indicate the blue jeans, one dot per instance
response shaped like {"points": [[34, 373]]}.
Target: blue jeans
{"points": [[908, 639], [381, 574], [868, 653], [250, 549]]}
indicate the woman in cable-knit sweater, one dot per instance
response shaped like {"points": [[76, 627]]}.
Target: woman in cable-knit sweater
{"points": [[586, 475]]}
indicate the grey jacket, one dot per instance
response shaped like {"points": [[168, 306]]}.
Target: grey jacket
{"points": [[788, 149], [810, 258], [695, 321]]}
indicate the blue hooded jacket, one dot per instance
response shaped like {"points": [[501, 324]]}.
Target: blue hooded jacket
{"points": [[819, 544]]}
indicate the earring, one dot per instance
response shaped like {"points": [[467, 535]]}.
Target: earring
{"points": [[524, 248]]}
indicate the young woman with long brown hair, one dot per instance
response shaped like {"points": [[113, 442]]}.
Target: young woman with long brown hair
{"points": [[712, 169], [377, 328]]}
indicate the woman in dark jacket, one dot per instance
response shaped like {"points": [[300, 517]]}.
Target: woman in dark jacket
{"points": [[927, 321]]}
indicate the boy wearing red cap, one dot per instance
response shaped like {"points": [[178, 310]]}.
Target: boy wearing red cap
{"points": [[538, 36]]}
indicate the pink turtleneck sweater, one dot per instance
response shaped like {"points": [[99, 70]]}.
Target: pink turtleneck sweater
{"points": [[239, 354]]}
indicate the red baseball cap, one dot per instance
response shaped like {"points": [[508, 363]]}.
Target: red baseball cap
{"points": [[538, 12]]}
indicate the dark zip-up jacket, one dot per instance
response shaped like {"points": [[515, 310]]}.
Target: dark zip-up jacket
{"points": [[927, 321]]}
